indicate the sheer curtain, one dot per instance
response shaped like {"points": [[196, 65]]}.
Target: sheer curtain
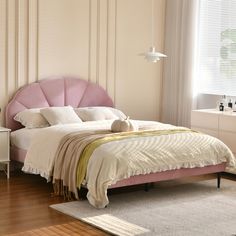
{"points": [[178, 75]]}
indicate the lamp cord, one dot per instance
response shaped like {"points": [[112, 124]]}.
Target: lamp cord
{"points": [[152, 23]]}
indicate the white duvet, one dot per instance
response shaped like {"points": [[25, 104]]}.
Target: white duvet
{"points": [[121, 159]]}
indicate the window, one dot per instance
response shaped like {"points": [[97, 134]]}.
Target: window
{"points": [[216, 63]]}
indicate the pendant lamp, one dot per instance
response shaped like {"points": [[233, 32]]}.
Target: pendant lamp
{"points": [[152, 55]]}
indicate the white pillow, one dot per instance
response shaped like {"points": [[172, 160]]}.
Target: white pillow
{"points": [[31, 118], [118, 113], [60, 115], [99, 113]]}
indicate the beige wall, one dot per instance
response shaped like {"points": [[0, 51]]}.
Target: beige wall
{"points": [[97, 40]]}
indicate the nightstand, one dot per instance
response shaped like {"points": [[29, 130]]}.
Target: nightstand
{"points": [[4, 149]]}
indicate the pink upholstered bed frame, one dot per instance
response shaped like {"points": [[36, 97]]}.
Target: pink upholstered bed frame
{"points": [[80, 93]]}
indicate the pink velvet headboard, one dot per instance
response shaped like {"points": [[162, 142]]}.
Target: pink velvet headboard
{"points": [[55, 92]]}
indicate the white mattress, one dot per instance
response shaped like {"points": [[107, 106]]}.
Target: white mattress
{"points": [[21, 138]]}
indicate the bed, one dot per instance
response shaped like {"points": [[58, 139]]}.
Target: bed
{"points": [[74, 92]]}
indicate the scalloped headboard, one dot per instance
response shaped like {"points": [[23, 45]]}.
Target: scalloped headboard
{"points": [[61, 91]]}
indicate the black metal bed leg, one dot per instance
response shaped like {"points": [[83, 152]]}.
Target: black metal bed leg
{"points": [[218, 179], [146, 188], [83, 193]]}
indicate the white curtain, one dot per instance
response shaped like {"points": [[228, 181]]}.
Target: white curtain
{"points": [[178, 76]]}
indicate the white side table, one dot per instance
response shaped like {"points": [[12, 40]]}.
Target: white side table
{"points": [[221, 125], [4, 149]]}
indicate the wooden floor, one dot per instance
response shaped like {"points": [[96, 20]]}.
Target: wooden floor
{"points": [[24, 207]]}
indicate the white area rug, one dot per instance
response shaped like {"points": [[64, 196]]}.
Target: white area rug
{"points": [[184, 210]]}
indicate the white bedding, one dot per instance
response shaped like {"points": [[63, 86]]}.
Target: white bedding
{"points": [[195, 151], [21, 138]]}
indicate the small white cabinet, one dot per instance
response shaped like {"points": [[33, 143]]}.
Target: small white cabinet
{"points": [[4, 149], [221, 125]]}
